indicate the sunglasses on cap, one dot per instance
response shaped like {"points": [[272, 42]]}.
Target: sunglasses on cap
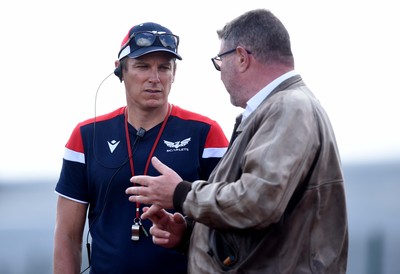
{"points": [[148, 38]]}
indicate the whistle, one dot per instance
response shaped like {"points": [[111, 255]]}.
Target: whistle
{"points": [[135, 232]]}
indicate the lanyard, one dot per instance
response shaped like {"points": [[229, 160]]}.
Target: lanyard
{"points": [[137, 216]]}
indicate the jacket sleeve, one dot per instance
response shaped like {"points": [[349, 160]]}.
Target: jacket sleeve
{"points": [[256, 179]]}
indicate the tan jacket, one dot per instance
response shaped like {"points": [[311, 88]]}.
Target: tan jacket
{"points": [[276, 201]]}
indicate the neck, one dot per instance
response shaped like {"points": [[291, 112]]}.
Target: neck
{"points": [[265, 74], [146, 118]]}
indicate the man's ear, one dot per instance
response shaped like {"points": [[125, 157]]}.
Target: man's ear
{"points": [[244, 58], [118, 70]]}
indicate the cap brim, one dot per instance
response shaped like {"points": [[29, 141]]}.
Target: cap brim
{"points": [[142, 51]]}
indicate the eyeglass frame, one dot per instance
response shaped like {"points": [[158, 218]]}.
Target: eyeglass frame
{"points": [[157, 36], [218, 57]]}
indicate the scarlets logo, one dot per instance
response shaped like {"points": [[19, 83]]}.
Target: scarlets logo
{"points": [[178, 145]]}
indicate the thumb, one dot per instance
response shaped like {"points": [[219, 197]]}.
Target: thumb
{"points": [[171, 177], [159, 166], [178, 218]]}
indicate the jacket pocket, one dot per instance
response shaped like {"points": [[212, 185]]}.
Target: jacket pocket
{"points": [[232, 250], [223, 251]]}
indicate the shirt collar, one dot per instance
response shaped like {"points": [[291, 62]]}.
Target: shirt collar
{"points": [[256, 100]]}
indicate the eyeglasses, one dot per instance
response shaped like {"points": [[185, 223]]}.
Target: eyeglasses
{"points": [[217, 61], [148, 38]]}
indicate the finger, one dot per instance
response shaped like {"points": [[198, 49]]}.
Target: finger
{"points": [[139, 199], [159, 232], [163, 169], [142, 180], [178, 218], [160, 241], [154, 213], [136, 190]]}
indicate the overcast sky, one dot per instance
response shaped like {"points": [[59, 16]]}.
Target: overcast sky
{"points": [[54, 55]]}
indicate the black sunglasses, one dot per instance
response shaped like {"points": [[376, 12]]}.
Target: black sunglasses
{"points": [[148, 38]]}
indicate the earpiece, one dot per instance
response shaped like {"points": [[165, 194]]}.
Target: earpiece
{"points": [[118, 72]]}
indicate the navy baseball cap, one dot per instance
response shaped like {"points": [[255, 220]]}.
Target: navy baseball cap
{"points": [[146, 38]]}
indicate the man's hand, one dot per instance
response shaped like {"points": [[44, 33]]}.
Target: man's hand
{"points": [[167, 229], [157, 190]]}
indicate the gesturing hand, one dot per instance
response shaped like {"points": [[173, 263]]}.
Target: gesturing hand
{"points": [[167, 229], [157, 190]]}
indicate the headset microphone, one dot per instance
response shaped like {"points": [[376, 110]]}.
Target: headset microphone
{"points": [[118, 72], [140, 134]]}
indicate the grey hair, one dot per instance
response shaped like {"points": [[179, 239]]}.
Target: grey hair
{"points": [[260, 32]]}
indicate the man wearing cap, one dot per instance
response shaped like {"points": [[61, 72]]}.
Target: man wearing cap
{"points": [[104, 152]]}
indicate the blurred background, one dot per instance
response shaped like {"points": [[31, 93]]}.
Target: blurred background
{"points": [[57, 60], [27, 214]]}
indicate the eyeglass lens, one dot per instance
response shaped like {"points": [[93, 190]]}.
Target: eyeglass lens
{"points": [[217, 63], [146, 39]]}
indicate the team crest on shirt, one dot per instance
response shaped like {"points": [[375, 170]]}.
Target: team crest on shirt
{"points": [[177, 145]]}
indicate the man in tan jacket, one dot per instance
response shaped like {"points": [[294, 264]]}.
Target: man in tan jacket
{"points": [[275, 203]]}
